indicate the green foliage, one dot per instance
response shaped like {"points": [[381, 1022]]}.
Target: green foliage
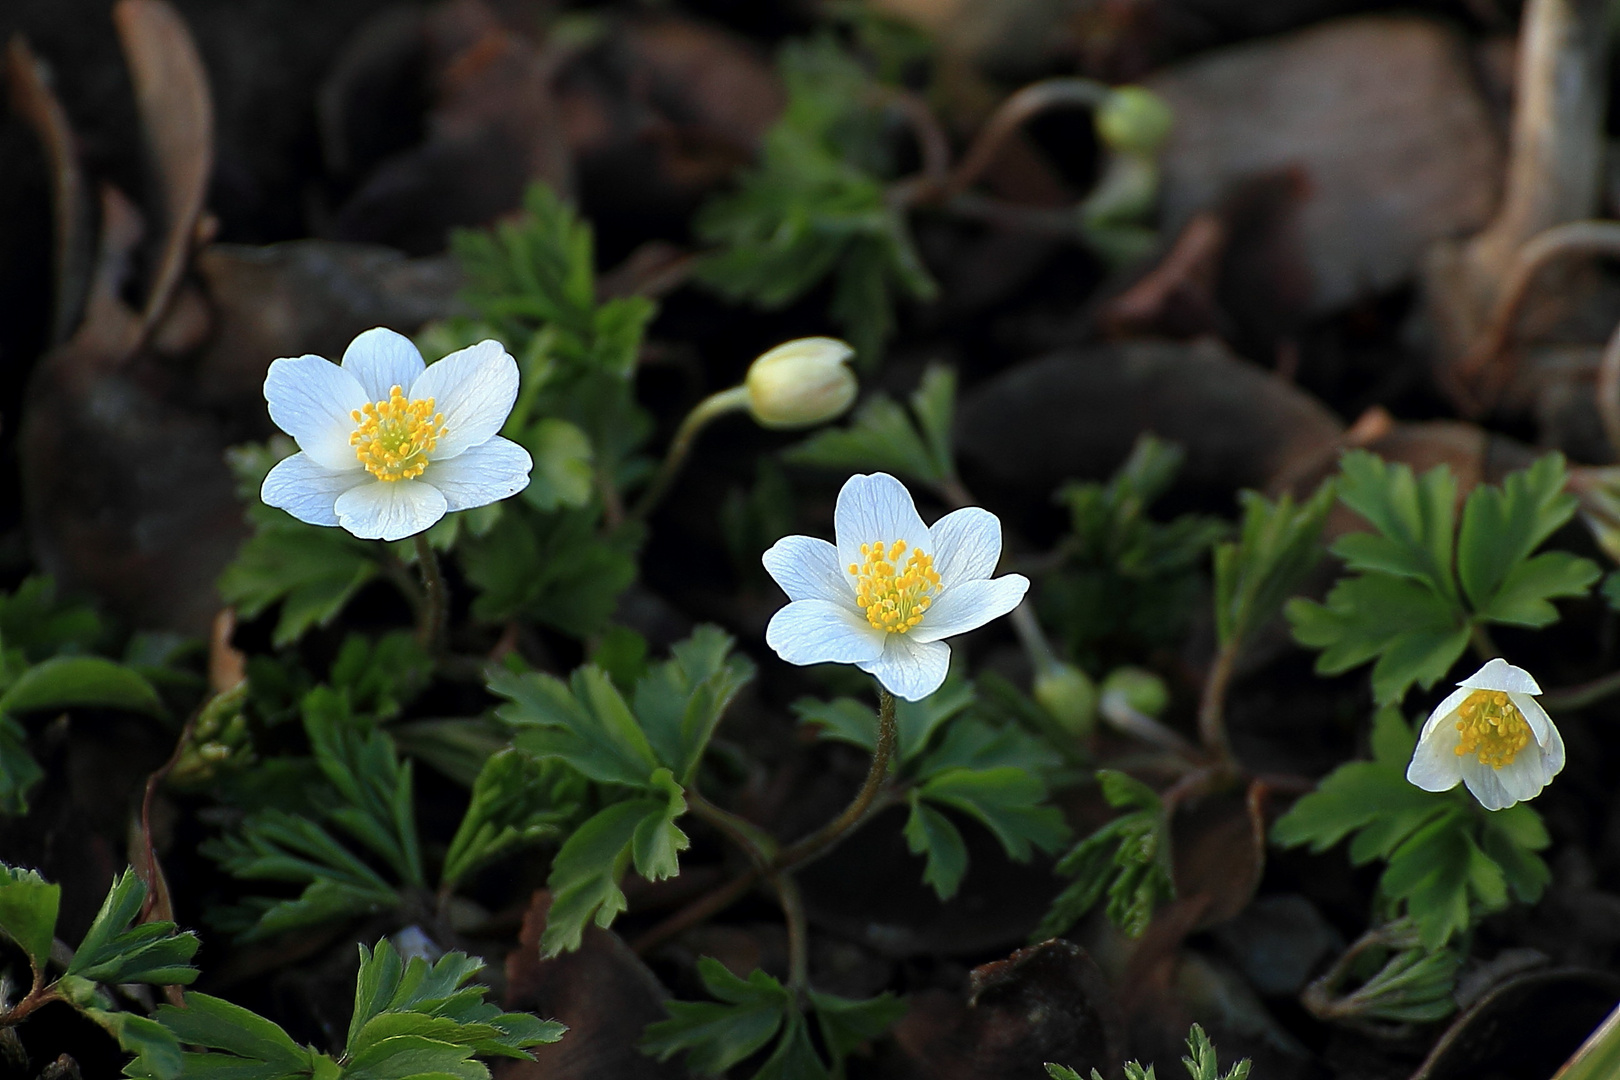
{"points": [[994, 775], [28, 906], [1422, 584], [113, 951], [312, 572], [883, 436], [1398, 980], [1276, 547], [517, 800], [749, 1013], [816, 205], [554, 568], [1447, 861], [43, 667], [357, 810], [1127, 582], [411, 1019], [1127, 859], [647, 748], [1201, 1063]]}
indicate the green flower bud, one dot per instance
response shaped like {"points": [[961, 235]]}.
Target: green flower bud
{"points": [[1134, 120], [800, 383], [1141, 690], [1069, 696]]}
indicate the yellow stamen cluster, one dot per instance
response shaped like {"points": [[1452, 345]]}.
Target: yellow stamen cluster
{"points": [[1492, 727], [894, 594], [396, 435]]}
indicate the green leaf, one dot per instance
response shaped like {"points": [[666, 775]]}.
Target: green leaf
{"points": [[38, 625], [1412, 630], [157, 1051], [81, 681], [717, 1035], [930, 833], [1128, 859], [679, 703], [19, 772], [1413, 517], [1202, 1063], [1276, 548], [882, 436], [312, 572], [1009, 801], [584, 722], [846, 1023], [411, 1012], [1502, 526], [585, 874], [551, 567], [28, 907], [377, 805], [564, 473], [516, 801], [916, 722], [253, 1048], [113, 951]]}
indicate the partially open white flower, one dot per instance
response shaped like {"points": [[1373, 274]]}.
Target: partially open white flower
{"points": [[889, 592], [1492, 735], [390, 445], [800, 383]]}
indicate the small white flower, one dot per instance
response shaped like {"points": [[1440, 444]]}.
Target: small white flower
{"points": [[801, 383], [1493, 735], [889, 592], [390, 445]]}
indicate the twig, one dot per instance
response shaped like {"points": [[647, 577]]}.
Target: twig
{"points": [[1545, 248], [1013, 114]]}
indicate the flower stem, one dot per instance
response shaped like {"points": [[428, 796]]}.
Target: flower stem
{"points": [[1484, 647], [778, 867], [1212, 705], [716, 404], [434, 616], [829, 834]]}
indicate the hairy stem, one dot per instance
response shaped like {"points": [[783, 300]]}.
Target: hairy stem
{"points": [[798, 932], [716, 404], [435, 613], [829, 834], [1212, 704]]}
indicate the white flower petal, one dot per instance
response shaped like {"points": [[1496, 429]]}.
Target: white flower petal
{"points": [[807, 569], [875, 508], [1498, 674], [486, 473], [1540, 723], [1552, 752], [1525, 776], [970, 605], [307, 491], [1445, 710], [312, 400], [910, 669], [384, 510], [382, 359], [1485, 783], [474, 388], [966, 545], [1436, 765], [820, 631]]}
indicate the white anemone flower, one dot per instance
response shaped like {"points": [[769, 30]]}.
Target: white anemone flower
{"points": [[1491, 734], [389, 445], [891, 590]]}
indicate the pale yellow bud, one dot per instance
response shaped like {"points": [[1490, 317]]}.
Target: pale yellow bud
{"points": [[800, 383]]}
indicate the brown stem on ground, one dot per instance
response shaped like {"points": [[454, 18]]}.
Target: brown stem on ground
{"points": [[1012, 115], [1212, 705], [1554, 176]]}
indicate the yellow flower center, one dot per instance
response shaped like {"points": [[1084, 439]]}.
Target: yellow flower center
{"points": [[894, 594], [395, 436], [1492, 727]]}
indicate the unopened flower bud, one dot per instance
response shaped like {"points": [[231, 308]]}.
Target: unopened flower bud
{"points": [[800, 383], [1134, 120], [1136, 688], [1069, 697]]}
